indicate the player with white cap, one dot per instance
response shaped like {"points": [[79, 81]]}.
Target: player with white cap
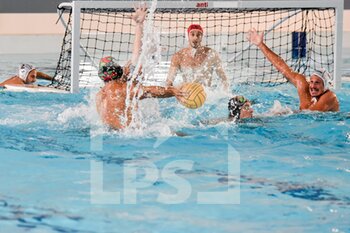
{"points": [[27, 75], [314, 95]]}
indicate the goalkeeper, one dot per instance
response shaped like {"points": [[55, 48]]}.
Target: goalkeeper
{"points": [[196, 62]]}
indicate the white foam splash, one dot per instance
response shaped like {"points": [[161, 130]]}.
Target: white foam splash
{"points": [[148, 121], [12, 122], [215, 95], [79, 111], [150, 50], [84, 113], [27, 115], [278, 109]]}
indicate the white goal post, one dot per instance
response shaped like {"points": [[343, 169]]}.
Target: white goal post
{"points": [[334, 40]]}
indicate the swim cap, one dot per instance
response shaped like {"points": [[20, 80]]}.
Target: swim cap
{"points": [[194, 27], [325, 76], [235, 105], [24, 70], [109, 69]]}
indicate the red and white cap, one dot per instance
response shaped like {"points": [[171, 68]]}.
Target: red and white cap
{"points": [[194, 27]]}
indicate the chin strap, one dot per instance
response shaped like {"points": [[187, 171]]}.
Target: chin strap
{"points": [[313, 100], [193, 52]]}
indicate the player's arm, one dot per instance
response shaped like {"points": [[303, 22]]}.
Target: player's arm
{"points": [[159, 92], [174, 66], [2, 84], [277, 62], [41, 75], [11, 81], [139, 18], [325, 103]]}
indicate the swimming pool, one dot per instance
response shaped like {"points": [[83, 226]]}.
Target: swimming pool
{"points": [[294, 169]]}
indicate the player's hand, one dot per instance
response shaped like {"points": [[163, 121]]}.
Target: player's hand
{"points": [[178, 93], [140, 13], [254, 37]]}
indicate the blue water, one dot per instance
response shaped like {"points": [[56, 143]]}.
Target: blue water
{"points": [[293, 175]]}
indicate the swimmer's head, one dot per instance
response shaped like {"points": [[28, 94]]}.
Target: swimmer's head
{"points": [[27, 73], [239, 107], [109, 69]]}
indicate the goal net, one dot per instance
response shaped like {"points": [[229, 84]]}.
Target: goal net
{"points": [[306, 37]]}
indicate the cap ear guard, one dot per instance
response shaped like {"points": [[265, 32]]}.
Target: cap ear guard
{"points": [[24, 70], [235, 105], [323, 74], [108, 73], [109, 69]]}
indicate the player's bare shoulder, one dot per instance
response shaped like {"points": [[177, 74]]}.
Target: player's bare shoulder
{"points": [[178, 57], [208, 50], [328, 101], [211, 54], [331, 98], [180, 54]]}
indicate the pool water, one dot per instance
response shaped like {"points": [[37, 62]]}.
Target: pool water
{"points": [[291, 171]]}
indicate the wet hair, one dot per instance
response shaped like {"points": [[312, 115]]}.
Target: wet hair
{"points": [[235, 105]]}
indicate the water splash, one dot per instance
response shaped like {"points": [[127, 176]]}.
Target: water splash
{"points": [[149, 57], [278, 109]]}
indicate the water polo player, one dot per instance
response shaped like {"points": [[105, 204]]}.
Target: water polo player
{"points": [[197, 63], [111, 100], [314, 95], [239, 108], [27, 75]]}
